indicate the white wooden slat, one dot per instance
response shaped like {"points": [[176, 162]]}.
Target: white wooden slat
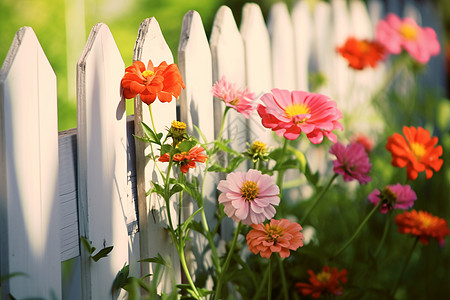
{"points": [[301, 21], [228, 59], [102, 161], [154, 238], [343, 77], [283, 48], [196, 105], [258, 67], [322, 44], [29, 217]]}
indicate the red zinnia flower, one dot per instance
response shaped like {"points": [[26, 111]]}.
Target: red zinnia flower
{"points": [[163, 81], [291, 113], [325, 282], [277, 236], [187, 160], [417, 152], [422, 225], [362, 53]]}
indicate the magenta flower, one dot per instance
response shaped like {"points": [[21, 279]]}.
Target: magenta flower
{"points": [[291, 113], [393, 197], [249, 197], [239, 99], [352, 162], [396, 34]]}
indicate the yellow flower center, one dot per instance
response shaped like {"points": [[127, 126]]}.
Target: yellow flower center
{"points": [[147, 73], [258, 147], [250, 190], [234, 101], [389, 195], [418, 150], [408, 31], [363, 46], [273, 233], [426, 220], [297, 109], [178, 125], [323, 276]]}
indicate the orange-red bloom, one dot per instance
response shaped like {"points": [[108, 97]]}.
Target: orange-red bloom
{"points": [[163, 81], [277, 236], [362, 53], [324, 282], [187, 160], [422, 225], [417, 152]]}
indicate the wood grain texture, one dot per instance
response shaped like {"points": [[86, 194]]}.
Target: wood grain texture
{"points": [[102, 161], [30, 240], [153, 221]]}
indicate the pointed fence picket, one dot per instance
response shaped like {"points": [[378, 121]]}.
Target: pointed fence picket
{"points": [[102, 161], [97, 188], [30, 240], [153, 220]]}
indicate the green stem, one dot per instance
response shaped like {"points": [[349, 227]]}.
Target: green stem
{"points": [[227, 262], [387, 225], [180, 207], [222, 126], [166, 193], [358, 230], [151, 117], [404, 266], [283, 278], [269, 284], [316, 201], [186, 271], [262, 284], [281, 172]]}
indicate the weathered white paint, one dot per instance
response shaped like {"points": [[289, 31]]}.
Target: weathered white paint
{"points": [[258, 65], [196, 105], [227, 51], [30, 240], [283, 48], [102, 161], [322, 45], [153, 221]]}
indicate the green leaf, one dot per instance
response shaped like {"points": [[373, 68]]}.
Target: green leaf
{"points": [[157, 260], [197, 226], [166, 148], [86, 244], [6, 277], [312, 178], [102, 253], [121, 279], [300, 158], [234, 163], [143, 139], [175, 189], [186, 223], [192, 190], [151, 135], [288, 164], [217, 168], [222, 146], [157, 189], [200, 133], [187, 145]]}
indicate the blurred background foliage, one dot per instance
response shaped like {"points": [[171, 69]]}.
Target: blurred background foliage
{"points": [[62, 27]]}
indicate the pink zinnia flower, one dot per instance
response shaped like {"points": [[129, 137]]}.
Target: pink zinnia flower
{"points": [[352, 162], [393, 196], [239, 99], [277, 236], [396, 34], [291, 113], [249, 197]]}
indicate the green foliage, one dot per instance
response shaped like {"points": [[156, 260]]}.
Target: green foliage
{"points": [[90, 249]]}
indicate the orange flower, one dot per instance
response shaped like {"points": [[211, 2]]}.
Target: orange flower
{"points": [[362, 53], [186, 160], [417, 152], [276, 236], [163, 81], [324, 282], [422, 225]]}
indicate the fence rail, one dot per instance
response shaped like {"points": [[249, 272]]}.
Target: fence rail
{"points": [[97, 186]]}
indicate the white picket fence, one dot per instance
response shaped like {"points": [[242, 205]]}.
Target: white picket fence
{"points": [[96, 188]]}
